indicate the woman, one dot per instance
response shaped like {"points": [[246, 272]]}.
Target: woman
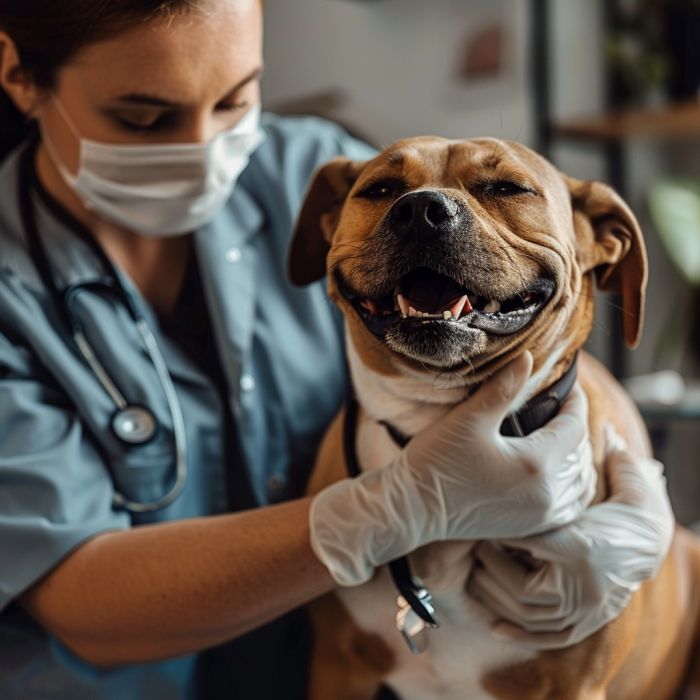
{"points": [[159, 378]]}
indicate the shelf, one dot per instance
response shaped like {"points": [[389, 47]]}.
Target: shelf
{"points": [[678, 121]]}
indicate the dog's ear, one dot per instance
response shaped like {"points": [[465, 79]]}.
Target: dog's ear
{"points": [[610, 243], [319, 218]]}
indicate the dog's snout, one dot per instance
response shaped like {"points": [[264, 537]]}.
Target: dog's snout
{"points": [[423, 214]]}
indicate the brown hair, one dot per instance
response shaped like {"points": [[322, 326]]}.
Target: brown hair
{"points": [[48, 33]]}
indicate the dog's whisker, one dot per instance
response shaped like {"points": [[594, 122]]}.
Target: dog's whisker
{"points": [[616, 306], [607, 302], [515, 140], [500, 134], [601, 327]]}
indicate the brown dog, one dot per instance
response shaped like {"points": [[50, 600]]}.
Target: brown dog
{"points": [[448, 259]]}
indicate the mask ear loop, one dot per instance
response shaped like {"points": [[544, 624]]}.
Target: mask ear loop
{"points": [[51, 149], [66, 117]]}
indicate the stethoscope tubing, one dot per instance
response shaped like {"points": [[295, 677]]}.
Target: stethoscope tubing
{"points": [[63, 303], [178, 429]]}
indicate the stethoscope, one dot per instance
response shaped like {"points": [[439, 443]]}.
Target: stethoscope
{"points": [[132, 424]]}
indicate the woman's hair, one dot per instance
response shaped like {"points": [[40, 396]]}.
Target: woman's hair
{"points": [[48, 33]]}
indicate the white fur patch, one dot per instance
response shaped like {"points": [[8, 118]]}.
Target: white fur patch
{"points": [[411, 401], [459, 654]]}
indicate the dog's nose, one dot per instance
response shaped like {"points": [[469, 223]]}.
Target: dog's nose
{"points": [[424, 214]]}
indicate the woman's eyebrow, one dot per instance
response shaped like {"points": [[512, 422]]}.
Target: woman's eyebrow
{"points": [[137, 98]]}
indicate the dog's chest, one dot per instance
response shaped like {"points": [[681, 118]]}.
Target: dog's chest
{"points": [[462, 651], [459, 654]]}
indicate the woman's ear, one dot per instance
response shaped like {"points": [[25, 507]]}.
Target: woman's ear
{"points": [[610, 244], [319, 218], [14, 80]]}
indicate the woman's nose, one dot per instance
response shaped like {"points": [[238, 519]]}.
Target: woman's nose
{"points": [[200, 128]]}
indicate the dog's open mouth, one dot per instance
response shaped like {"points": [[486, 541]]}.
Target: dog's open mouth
{"points": [[424, 296]]}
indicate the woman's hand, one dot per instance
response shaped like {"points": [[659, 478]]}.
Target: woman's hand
{"points": [[460, 479], [556, 589]]}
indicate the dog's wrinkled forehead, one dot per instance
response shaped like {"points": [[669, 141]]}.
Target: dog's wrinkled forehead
{"points": [[433, 162]]}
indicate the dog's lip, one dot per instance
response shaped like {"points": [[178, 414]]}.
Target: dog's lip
{"points": [[381, 315]]}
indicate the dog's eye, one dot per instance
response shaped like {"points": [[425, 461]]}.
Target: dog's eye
{"points": [[505, 188], [380, 190]]}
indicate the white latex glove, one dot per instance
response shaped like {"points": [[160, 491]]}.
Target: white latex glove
{"points": [[460, 479], [565, 585]]}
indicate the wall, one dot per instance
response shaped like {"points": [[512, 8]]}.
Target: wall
{"points": [[397, 59]]}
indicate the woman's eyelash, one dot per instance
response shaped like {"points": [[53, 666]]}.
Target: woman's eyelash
{"points": [[232, 107], [131, 126], [163, 121]]}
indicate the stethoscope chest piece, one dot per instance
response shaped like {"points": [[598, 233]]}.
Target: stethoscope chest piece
{"points": [[134, 425]]}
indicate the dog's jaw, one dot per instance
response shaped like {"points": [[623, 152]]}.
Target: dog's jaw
{"points": [[411, 399]]}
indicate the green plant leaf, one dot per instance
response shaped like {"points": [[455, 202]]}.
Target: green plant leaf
{"points": [[674, 203]]}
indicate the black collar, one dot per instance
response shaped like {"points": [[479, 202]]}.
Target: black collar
{"points": [[533, 415], [537, 412]]}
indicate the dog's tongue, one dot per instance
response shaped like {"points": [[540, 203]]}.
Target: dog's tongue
{"points": [[434, 294]]}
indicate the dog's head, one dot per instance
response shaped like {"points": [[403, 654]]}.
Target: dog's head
{"points": [[462, 254]]}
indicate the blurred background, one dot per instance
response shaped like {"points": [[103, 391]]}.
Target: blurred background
{"points": [[607, 89]]}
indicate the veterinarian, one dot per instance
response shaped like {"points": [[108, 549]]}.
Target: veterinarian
{"points": [[160, 380]]}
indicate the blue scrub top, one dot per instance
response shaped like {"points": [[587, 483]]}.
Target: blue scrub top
{"points": [[281, 351]]}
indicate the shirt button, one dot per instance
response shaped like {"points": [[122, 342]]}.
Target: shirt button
{"points": [[276, 482], [247, 382], [233, 255]]}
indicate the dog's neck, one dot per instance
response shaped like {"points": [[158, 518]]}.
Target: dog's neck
{"points": [[411, 400]]}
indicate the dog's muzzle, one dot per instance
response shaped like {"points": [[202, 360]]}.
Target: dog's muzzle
{"points": [[430, 309]]}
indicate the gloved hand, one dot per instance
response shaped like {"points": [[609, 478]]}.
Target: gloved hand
{"points": [[566, 585], [460, 479]]}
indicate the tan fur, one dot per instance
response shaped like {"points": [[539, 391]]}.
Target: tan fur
{"points": [[576, 231], [347, 663]]}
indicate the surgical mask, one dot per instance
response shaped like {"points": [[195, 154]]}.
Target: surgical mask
{"points": [[165, 189]]}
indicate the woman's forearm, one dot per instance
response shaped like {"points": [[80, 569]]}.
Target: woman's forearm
{"points": [[160, 591]]}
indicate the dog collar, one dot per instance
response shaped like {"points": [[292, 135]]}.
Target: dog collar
{"points": [[533, 415], [538, 411]]}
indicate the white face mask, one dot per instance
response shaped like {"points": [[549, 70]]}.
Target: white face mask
{"points": [[165, 189]]}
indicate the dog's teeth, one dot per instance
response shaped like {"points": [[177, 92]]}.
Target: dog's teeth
{"points": [[412, 312], [457, 309], [402, 305], [447, 315], [493, 306]]}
